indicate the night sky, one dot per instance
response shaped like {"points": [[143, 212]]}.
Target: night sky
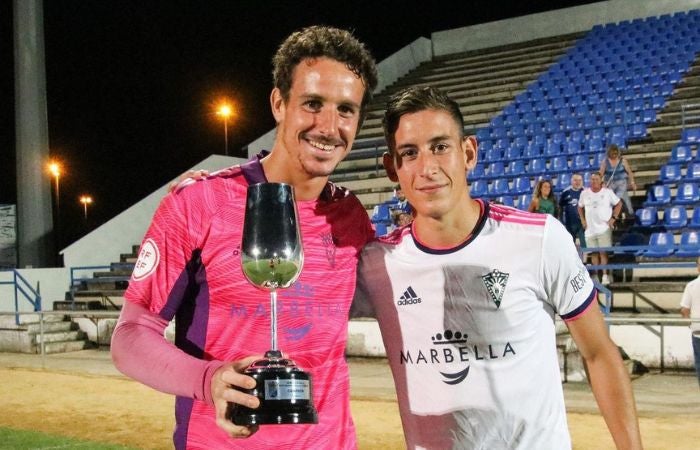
{"points": [[132, 85]]}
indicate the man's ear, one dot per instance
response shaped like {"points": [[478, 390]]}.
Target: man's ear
{"points": [[277, 105], [388, 161], [470, 148]]}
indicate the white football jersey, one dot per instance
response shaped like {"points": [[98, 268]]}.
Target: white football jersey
{"points": [[469, 331]]}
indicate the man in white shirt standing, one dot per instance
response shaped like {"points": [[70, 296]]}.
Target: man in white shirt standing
{"points": [[599, 208], [690, 307]]}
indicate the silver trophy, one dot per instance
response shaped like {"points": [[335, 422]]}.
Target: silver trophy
{"points": [[272, 258]]}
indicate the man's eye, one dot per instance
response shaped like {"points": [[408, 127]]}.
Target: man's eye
{"points": [[346, 111], [314, 105], [440, 148], [408, 154]]}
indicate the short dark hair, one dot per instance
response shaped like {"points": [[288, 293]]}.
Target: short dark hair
{"points": [[414, 99], [322, 41]]}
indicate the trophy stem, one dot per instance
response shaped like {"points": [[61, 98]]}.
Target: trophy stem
{"points": [[273, 319]]}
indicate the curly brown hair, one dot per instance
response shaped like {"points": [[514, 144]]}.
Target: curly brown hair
{"points": [[321, 41]]}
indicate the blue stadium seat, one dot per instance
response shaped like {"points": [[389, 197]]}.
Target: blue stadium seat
{"points": [[559, 164], [573, 147], [563, 181], [516, 167], [521, 185], [680, 154], [552, 149], [381, 228], [648, 116], [689, 246], [520, 142], [658, 195], [532, 151], [524, 201], [580, 163], [687, 193], [477, 173], [660, 245], [494, 154], [495, 170], [694, 221], [692, 173], [505, 200], [690, 136], [647, 216], [381, 213], [537, 166], [638, 130], [595, 145], [513, 153], [499, 187], [670, 173], [478, 188], [675, 217]]}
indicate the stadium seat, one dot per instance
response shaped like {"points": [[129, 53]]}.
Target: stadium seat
{"points": [[658, 195], [563, 181], [499, 187], [687, 193], [381, 228], [675, 217], [581, 162], [694, 221], [680, 154], [532, 151], [381, 213], [524, 201], [552, 149], [536, 166], [692, 173], [638, 130], [512, 153], [478, 188], [647, 216], [516, 167], [595, 145], [689, 246], [521, 185], [495, 170], [477, 173], [559, 164], [690, 136], [660, 245], [670, 173], [505, 200]]}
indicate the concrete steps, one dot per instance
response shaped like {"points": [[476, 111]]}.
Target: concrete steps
{"points": [[60, 334]]}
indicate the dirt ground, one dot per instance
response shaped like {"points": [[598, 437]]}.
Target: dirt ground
{"points": [[116, 410]]}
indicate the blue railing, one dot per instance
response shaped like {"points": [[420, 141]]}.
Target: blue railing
{"points": [[75, 281], [22, 286]]}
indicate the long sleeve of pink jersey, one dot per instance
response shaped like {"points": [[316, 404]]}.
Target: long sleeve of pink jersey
{"points": [[140, 351]]}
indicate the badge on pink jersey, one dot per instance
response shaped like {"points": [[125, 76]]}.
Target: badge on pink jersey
{"points": [[495, 283], [147, 262]]}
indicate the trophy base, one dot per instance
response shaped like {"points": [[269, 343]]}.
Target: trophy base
{"points": [[284, 391]]}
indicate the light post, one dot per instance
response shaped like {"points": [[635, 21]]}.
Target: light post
{"points": [[55, 171], [225, 111], [85, 200]]}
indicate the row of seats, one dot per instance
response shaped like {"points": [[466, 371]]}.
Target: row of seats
{"points": [[537, 166], [674, 217], [660, 195], [595, 104], [518, 122], [662, 245], [506, 149]]}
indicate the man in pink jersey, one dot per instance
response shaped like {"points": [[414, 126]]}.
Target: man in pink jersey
{"points": [[189, 264], [466, 297]]}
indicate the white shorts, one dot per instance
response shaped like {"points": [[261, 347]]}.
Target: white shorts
{"points": [[600, 240]]}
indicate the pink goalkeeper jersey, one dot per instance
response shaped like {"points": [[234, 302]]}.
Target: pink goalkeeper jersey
{"points": [[189, 268]]}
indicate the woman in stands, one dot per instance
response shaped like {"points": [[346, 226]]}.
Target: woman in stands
{"points": [[617, 175], [543, 199]]}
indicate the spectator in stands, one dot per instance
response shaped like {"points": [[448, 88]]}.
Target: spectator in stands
{"points": [[690, 307], [568, 209], [404, 219], [189, 265], [599, 208], [617, 175], [466, 301], [543, 199]]}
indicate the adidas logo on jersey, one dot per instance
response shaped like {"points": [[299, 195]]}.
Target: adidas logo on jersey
{"points": [[409, 297]]}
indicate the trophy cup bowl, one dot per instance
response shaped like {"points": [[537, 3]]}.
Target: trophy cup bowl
{"points": [[272, 258]]}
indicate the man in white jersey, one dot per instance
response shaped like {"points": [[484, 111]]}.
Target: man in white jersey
{"points": [[690, 308], [466, 295], [599, 208]]}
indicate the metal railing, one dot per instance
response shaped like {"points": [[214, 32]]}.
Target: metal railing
{"points": [[22, 286]]}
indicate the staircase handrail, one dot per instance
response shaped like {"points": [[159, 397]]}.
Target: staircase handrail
{"points": [[22, 286]]}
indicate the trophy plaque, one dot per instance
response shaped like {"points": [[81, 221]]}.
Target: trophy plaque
{"points": [[272, 258]]}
